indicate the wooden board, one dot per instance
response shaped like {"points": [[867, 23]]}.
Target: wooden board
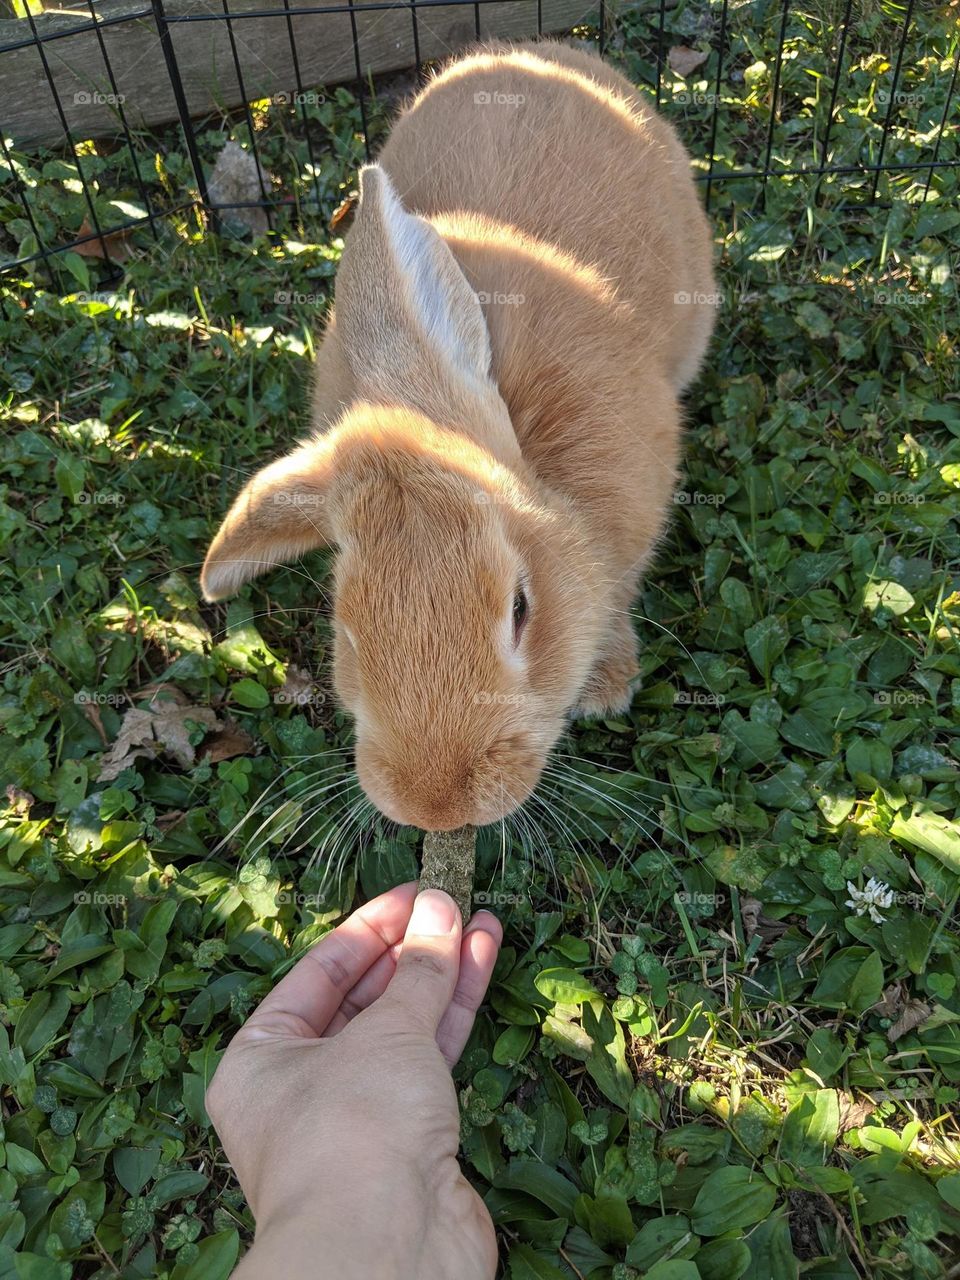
{"points": [[323, 43]]}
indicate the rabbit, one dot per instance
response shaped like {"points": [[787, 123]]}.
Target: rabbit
{"points": [[525, 292]]}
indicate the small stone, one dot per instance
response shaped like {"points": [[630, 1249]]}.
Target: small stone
{"points": [[238, 179]]}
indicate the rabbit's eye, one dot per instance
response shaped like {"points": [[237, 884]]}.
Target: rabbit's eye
{"points": [[520, 611]]}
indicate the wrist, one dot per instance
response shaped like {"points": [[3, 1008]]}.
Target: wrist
{"points": [[347, 1232], [307, 1249]]}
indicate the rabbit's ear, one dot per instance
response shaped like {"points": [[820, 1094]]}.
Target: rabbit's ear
{"points": [[279, 515], [412, 326]]}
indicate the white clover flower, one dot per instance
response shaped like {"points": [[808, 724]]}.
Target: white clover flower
{"points": [[866, 901]]}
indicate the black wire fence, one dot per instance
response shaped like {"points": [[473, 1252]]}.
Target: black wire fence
{"points": [[126, 106]]}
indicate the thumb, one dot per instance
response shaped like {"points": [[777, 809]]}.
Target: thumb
{"points": [[429, 962]]}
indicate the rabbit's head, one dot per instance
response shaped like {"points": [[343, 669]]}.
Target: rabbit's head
{"points": [[465, 616]]}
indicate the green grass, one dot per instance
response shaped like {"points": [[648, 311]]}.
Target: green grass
{"points": [[733, 1073]]}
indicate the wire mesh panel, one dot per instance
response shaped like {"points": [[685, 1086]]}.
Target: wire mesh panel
{"points": [[127, 122]]}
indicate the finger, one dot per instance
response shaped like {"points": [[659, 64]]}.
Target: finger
{"points": [[303, 1004], [429, 962], [370, 987], [478, 955]]}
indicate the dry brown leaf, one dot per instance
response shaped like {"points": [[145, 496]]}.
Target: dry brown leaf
{"points": [[750, 915], [914, 1014], [905, 1013], [343, 213], [891, 1002], [136, 731], [755, 922], [92, 712], [230, 741], [299, 688], [19, 801], [112, 245], [853, 1114], [684, 61], [162, 691], [160, 728], [170, 819]]}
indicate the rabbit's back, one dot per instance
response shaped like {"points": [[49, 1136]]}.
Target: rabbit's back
{"points": [[549, 141]]}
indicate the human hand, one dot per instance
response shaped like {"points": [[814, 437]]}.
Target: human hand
{"points": [[336, 1108]]}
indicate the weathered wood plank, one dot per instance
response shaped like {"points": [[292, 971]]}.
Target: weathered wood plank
{"points": [[323, 42]]}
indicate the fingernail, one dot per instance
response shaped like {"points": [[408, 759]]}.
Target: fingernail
{"points": [[434, 914]]}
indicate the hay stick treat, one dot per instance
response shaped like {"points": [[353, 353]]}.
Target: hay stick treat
{"points": [[449, 862]]}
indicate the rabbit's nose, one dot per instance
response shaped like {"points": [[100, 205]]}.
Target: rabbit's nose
{"points": [[431, 798], [429, 813], [436, 803]]}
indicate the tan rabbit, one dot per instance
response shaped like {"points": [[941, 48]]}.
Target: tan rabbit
{"points": [[525, 292]]}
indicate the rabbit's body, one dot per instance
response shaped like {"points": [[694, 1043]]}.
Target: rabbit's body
{"points": [[531, 440]]}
